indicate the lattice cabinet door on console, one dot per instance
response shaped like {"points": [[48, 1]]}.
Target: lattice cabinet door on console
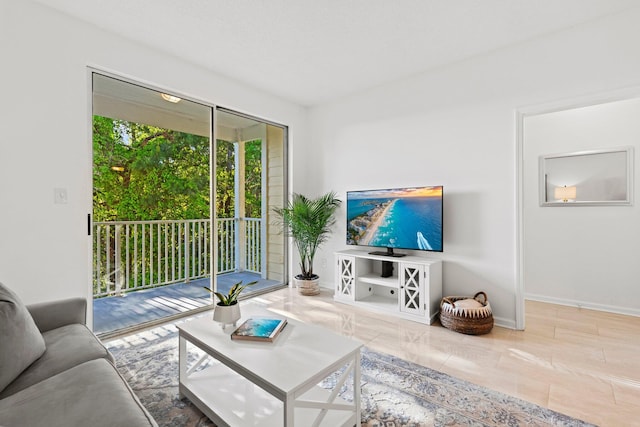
{"points": [[345, 288], [412, 289]]}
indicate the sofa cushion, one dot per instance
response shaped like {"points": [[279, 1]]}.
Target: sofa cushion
{"points": [[67, 347], [22, 342], [91, 394]]}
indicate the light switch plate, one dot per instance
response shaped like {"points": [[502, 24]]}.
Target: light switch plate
{"points": [[60, 196]]}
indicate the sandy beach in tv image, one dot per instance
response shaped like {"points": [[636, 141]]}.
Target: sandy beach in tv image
{"points": [[408, 218]]}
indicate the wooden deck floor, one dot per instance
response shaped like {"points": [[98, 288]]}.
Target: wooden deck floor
{"points": [[111, 314]]}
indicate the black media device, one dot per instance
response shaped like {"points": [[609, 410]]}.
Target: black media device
{"points": [[387, 269]]}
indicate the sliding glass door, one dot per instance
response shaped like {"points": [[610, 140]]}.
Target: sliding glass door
{"points": [[250, 177], [175, 212]]}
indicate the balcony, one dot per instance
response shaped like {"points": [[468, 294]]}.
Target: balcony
{"points": [[145, 271]]}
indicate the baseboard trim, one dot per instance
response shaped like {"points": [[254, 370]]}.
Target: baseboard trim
{"points": [[504, 322], [584, 304]]}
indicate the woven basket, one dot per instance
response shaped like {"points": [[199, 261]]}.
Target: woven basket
{"points": [[467, 315]]}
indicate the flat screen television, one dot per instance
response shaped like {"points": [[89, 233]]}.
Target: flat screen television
{"points": [[396, 218]]}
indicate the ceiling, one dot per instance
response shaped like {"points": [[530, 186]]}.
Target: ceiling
{"points": [[314, 51], [125, 101], [122, 100]]}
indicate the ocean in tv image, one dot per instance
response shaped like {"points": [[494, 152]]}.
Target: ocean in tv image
{"points": [[406, 218]]}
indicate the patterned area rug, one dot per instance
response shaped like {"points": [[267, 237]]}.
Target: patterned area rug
{"points": [[395, 393]]}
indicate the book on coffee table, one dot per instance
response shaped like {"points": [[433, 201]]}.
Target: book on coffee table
{"points": [[259, 329]]}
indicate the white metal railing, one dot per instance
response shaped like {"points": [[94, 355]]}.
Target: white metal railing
{"points": [[252, 233], [226, 245], [132, 255]]}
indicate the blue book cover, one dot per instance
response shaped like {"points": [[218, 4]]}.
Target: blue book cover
{"points": [[259, 329]]}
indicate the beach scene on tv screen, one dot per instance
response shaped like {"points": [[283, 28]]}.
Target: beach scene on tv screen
{"points": [[406, 218]]}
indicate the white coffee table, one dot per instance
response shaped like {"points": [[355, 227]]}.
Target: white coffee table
{"points": [[269, 384]]}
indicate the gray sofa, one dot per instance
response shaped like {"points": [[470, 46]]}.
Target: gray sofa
{"points": [[55, 372]]}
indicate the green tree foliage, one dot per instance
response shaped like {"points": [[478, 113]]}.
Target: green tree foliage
{"points": [[253, 182], [225, 179], [142, 172]]}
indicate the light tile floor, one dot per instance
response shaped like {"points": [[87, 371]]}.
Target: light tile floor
{"points": [[583, 363]]}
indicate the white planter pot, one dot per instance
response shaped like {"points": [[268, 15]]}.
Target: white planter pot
{"points": [[227, 314], [307, 287]]}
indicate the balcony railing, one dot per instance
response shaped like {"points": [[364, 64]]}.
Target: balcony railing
{"points": [[133, 255]]}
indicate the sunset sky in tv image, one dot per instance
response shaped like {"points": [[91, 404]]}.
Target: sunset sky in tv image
{"points": [[400, 192]]}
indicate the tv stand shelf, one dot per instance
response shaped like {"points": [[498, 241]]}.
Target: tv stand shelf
{"points": [[391, 282], [412, 289]]}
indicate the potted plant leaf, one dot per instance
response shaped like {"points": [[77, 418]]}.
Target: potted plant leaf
{"points": [[227, 310], [308, 222]]}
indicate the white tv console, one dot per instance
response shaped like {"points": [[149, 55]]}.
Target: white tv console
{"points": [[412, 290]]}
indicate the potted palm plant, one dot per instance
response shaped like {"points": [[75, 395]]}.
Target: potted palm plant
{"points": [[227, 310], [308, 222]]}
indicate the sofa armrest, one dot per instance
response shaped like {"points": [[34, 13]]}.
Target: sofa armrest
{"points": [[54, 314]]}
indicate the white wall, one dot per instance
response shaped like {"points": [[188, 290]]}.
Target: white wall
{"points": [[582, 255], [455, 126], [45, 137]]}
